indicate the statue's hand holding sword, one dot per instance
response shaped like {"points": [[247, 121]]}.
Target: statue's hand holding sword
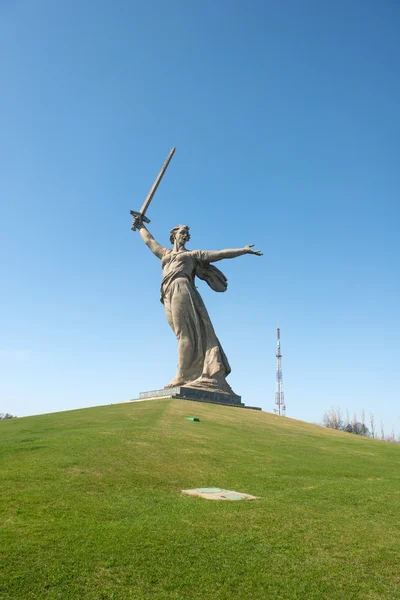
{"points": [[139, 217]]}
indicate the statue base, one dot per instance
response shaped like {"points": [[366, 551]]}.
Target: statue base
{"points": [[198, 395]]}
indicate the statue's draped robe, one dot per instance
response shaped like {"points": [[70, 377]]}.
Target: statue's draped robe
{"points": [[201, 360]]}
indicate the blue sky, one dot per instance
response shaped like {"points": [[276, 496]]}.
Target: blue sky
{"points": [[285, 116]]}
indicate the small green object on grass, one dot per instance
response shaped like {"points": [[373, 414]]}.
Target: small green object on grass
{"points": [[193, 418]]}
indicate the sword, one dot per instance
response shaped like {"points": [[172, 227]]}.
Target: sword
{"points": [[149, 198]]}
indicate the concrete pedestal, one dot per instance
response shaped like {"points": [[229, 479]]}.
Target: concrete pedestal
{"points": [[196, 394]]}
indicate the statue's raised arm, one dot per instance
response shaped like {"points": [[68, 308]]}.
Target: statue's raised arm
{"points": [[148, 239], [140, 216]]}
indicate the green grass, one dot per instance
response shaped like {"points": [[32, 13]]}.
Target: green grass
{"points": [[91, 507]]}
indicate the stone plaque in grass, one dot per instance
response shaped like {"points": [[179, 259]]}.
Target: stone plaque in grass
{"points": [[219, 494]]}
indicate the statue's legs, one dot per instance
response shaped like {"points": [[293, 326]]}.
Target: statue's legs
{"points": [[186, 324], [201, 359]]}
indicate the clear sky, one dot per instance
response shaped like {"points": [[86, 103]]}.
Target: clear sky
{"points": [[285, 116]]}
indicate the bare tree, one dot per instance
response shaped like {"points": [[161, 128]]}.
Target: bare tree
{"points": [[372, 424], [332, 418], [339, 417], [354, 421], [382, 431], [391, 437]]}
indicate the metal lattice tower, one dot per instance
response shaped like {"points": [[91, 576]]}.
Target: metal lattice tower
{"points": [[280, 408]]}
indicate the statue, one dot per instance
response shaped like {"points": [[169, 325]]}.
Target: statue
{"points": [[202, 363]]}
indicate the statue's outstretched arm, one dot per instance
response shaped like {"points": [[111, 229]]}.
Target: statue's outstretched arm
{"points": [[148, 239], [215, 255]]}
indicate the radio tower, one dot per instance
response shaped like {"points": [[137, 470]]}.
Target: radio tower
{"points": [[280, 408]]}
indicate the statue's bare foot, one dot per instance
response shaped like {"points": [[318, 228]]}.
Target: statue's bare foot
{"points": [[175, 382]]}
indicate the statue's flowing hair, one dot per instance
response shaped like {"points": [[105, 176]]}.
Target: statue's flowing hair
{"points": [[174, 231]]}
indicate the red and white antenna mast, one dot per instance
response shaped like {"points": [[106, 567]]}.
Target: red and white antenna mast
{"points": [[280, 408]]}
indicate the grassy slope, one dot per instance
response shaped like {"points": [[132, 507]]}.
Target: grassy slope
{"points": [[91, 507]]}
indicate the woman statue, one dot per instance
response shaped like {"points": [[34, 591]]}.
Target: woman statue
{"points": [[202, 362]]}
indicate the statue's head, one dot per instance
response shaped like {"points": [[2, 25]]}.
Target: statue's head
{"points": [[180, 233]]}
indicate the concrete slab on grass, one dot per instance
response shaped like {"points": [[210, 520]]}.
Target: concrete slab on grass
{"points": [[218, 494]]}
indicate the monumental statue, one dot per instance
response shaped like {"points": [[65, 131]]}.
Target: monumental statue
{"points": [[202, 363]]}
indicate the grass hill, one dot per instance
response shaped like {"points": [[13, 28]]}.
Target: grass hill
{"points": [[91, 507]]}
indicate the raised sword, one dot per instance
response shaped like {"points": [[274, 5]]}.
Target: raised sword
{"points": [[149, 198]]}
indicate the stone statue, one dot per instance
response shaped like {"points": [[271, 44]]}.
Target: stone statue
{"points": [[202, 362]]}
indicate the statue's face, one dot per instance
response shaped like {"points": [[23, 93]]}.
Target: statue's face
{"points": [[182, 236]]}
